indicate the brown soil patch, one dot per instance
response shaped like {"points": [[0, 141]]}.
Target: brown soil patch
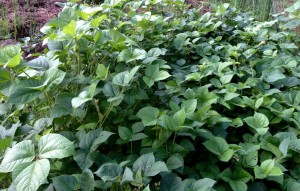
{"points": [[25, 18]]}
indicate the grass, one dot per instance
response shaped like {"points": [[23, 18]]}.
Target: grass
{"points": [[261, 8], [12, 22], [4, 22]]}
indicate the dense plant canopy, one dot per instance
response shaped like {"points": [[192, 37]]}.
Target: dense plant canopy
{"points": [[150, 95]]}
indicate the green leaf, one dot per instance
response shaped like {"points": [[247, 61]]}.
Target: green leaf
{"points": [[55, 146], [30, 175], [65, 183], [4, 144], [259, 173], [259, 102], [148, 115], [144, 163], [52, 77], [86, 139], [117, 39], [259, 122], [70, 29], [109, 172], [87, 182], [189, 106], [101, 71], [146, 188], [24, 92], [102, 137], [9, 52], [123, 78], [156, 168], [138, 136], [97, 21], [125, 133], [15, 61], [171, 182], [288, 46], [217, 145], [88, 126], [276, 171], [20, 153], [238, 185], [152, 55], [227, 175], [153, 74], [154, 52], [113, 3], [226, 78], [84, 159], [175, 161], [267, 165], [226, 156], [274, 75], [284, 145], [127, 176], [4, 75], [81, 99], [204, 184], [130, 55], [167, 122], [179, 117]]}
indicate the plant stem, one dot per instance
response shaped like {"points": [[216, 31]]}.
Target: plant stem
{"points": [[100, 116]]}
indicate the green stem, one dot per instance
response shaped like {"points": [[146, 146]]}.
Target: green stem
{"points": [[106, 114], [100, 116], [48, 99]]}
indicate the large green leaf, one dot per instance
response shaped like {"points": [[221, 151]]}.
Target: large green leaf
{"points": [[123, 78], [10, 55], [102, 137], [130, 55], [81, 99], [109, 172], [144, 163], [154, 74], [30, 175], [53, 76], [217, 145], [149, 115], [25, 91], [175, 161], [127, 176], [87, 182], [259, 122], [171, 182], [101, 71], [117, 39], [65, 183], [4, 75], [204, 184], [70, 29], [20, 153], [55, 146], [238, 185], [156, 168], [83, 159]]}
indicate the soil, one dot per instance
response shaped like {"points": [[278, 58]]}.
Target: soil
{"points": [[31, 15]]}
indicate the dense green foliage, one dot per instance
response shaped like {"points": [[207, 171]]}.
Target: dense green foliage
{"points": [[149, 95]]}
